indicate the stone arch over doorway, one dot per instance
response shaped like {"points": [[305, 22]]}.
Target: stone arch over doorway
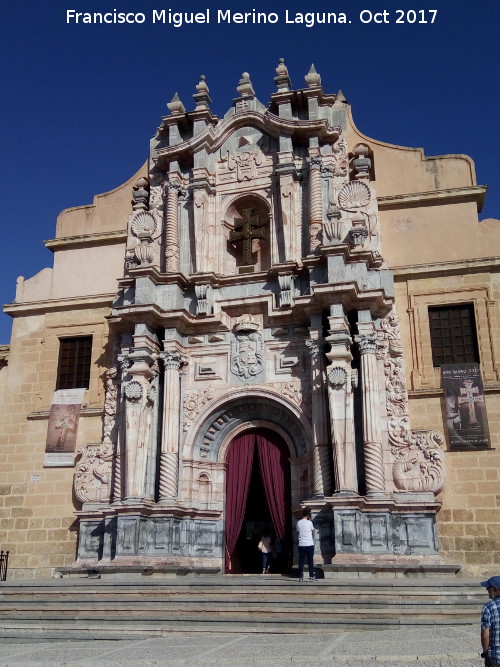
{"points": [[244, 411]]}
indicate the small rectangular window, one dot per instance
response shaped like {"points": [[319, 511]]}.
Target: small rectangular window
{"points": [[74, 362], [453, 334]]}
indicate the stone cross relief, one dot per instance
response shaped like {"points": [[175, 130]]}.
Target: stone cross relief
{"points": [[246, 230]]}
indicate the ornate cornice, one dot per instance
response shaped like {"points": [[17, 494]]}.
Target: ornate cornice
{"points": [[213, 137]]}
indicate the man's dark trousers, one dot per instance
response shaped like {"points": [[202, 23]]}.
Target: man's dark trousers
{"points": [[309, 552]]}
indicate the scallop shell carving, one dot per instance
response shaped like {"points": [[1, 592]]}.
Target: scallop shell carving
{"points": [[337, 376], [133, 390], [143, 224], [354, 195]]}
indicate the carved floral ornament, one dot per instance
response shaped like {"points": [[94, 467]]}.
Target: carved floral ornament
{"points": [[418, 459], [194, 400]]}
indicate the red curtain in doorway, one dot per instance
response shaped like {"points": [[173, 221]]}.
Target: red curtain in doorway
{"points": [[273, 464], [238, 475]]}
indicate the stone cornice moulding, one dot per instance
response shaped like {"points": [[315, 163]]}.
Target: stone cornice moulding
{"points": [[82, 240], [212, 139], [475, 193], [29, 307], [479, 264], [84, 412]]}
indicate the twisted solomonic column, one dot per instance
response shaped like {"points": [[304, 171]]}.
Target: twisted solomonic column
{"points": [[169, 457], [315, 205], [372, 428], [172, 228]]}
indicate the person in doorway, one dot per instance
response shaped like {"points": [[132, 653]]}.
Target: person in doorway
{"points": [[265, 546], [490, 624], [305, 535]]}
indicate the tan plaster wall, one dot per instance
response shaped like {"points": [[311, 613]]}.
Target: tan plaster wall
{"points": [[436, 234], [37, 517], [402, 169], [109, 211]]}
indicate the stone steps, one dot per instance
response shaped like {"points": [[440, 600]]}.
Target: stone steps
{"points": [[108, 609]]}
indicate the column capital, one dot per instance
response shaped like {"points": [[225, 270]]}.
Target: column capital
{"points": [[173, 359], [367, 343]]}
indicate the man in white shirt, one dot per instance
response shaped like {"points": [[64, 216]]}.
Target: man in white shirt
{"points": [[305, 535]]}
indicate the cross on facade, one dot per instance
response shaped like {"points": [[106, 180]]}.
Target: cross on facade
{"points": [[245, 230], [469, 396]]}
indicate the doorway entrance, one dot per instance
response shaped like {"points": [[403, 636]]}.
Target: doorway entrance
{"points": [[257, 501]]}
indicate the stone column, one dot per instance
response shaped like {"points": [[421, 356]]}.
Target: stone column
{"points": [[339, 374], [372, 427], [169, 458], [172, 228], [139, 400], [315, 205], [322, 478]]}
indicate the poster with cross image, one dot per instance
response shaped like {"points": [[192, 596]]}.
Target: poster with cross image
{"points": [[465, 406]]}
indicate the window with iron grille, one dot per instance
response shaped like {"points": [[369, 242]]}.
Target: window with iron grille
{"points": [[74, 362], [453, 334]]}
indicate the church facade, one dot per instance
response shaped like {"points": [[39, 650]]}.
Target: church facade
{"points": [[274, 312]]}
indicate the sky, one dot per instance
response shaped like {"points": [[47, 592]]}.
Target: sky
{"points": [[81, 101]]}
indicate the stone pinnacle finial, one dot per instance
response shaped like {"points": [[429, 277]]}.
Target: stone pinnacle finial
{"points": [[202, 97], [312, 78], [245, 88], [282, 81], [176, 106]]}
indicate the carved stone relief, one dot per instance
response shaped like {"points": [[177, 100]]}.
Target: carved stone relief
{"points": [[247, 355], [353, 196], [92, 481], [419, 464], [194, 401]]}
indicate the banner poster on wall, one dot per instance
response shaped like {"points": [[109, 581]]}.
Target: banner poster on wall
{"points": [[63, 428], [465, 406]]}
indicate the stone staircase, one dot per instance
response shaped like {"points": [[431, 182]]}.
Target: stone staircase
{"points": [[118, 609]]}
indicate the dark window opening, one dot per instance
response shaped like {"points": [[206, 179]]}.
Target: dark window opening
{"points": [[74, 362], [453, 335]]}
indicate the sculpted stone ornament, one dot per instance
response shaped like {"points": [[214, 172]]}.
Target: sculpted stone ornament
{"points": [[205, 301], [333, 225], [194, 400], [133, 390], [354, 196], [287, 291], [110, 406], [140, 195], [173, 359], [362, 163], [247, 357], [92, 481], [341, 164], [246, 164], [337, 377], [418, 459]]}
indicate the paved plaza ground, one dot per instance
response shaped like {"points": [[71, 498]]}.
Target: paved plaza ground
{"points": [[416, 647]]}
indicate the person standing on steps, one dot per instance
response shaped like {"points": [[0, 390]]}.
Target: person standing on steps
{"points": [[265, 546], [305, 535], [490, 624]]}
